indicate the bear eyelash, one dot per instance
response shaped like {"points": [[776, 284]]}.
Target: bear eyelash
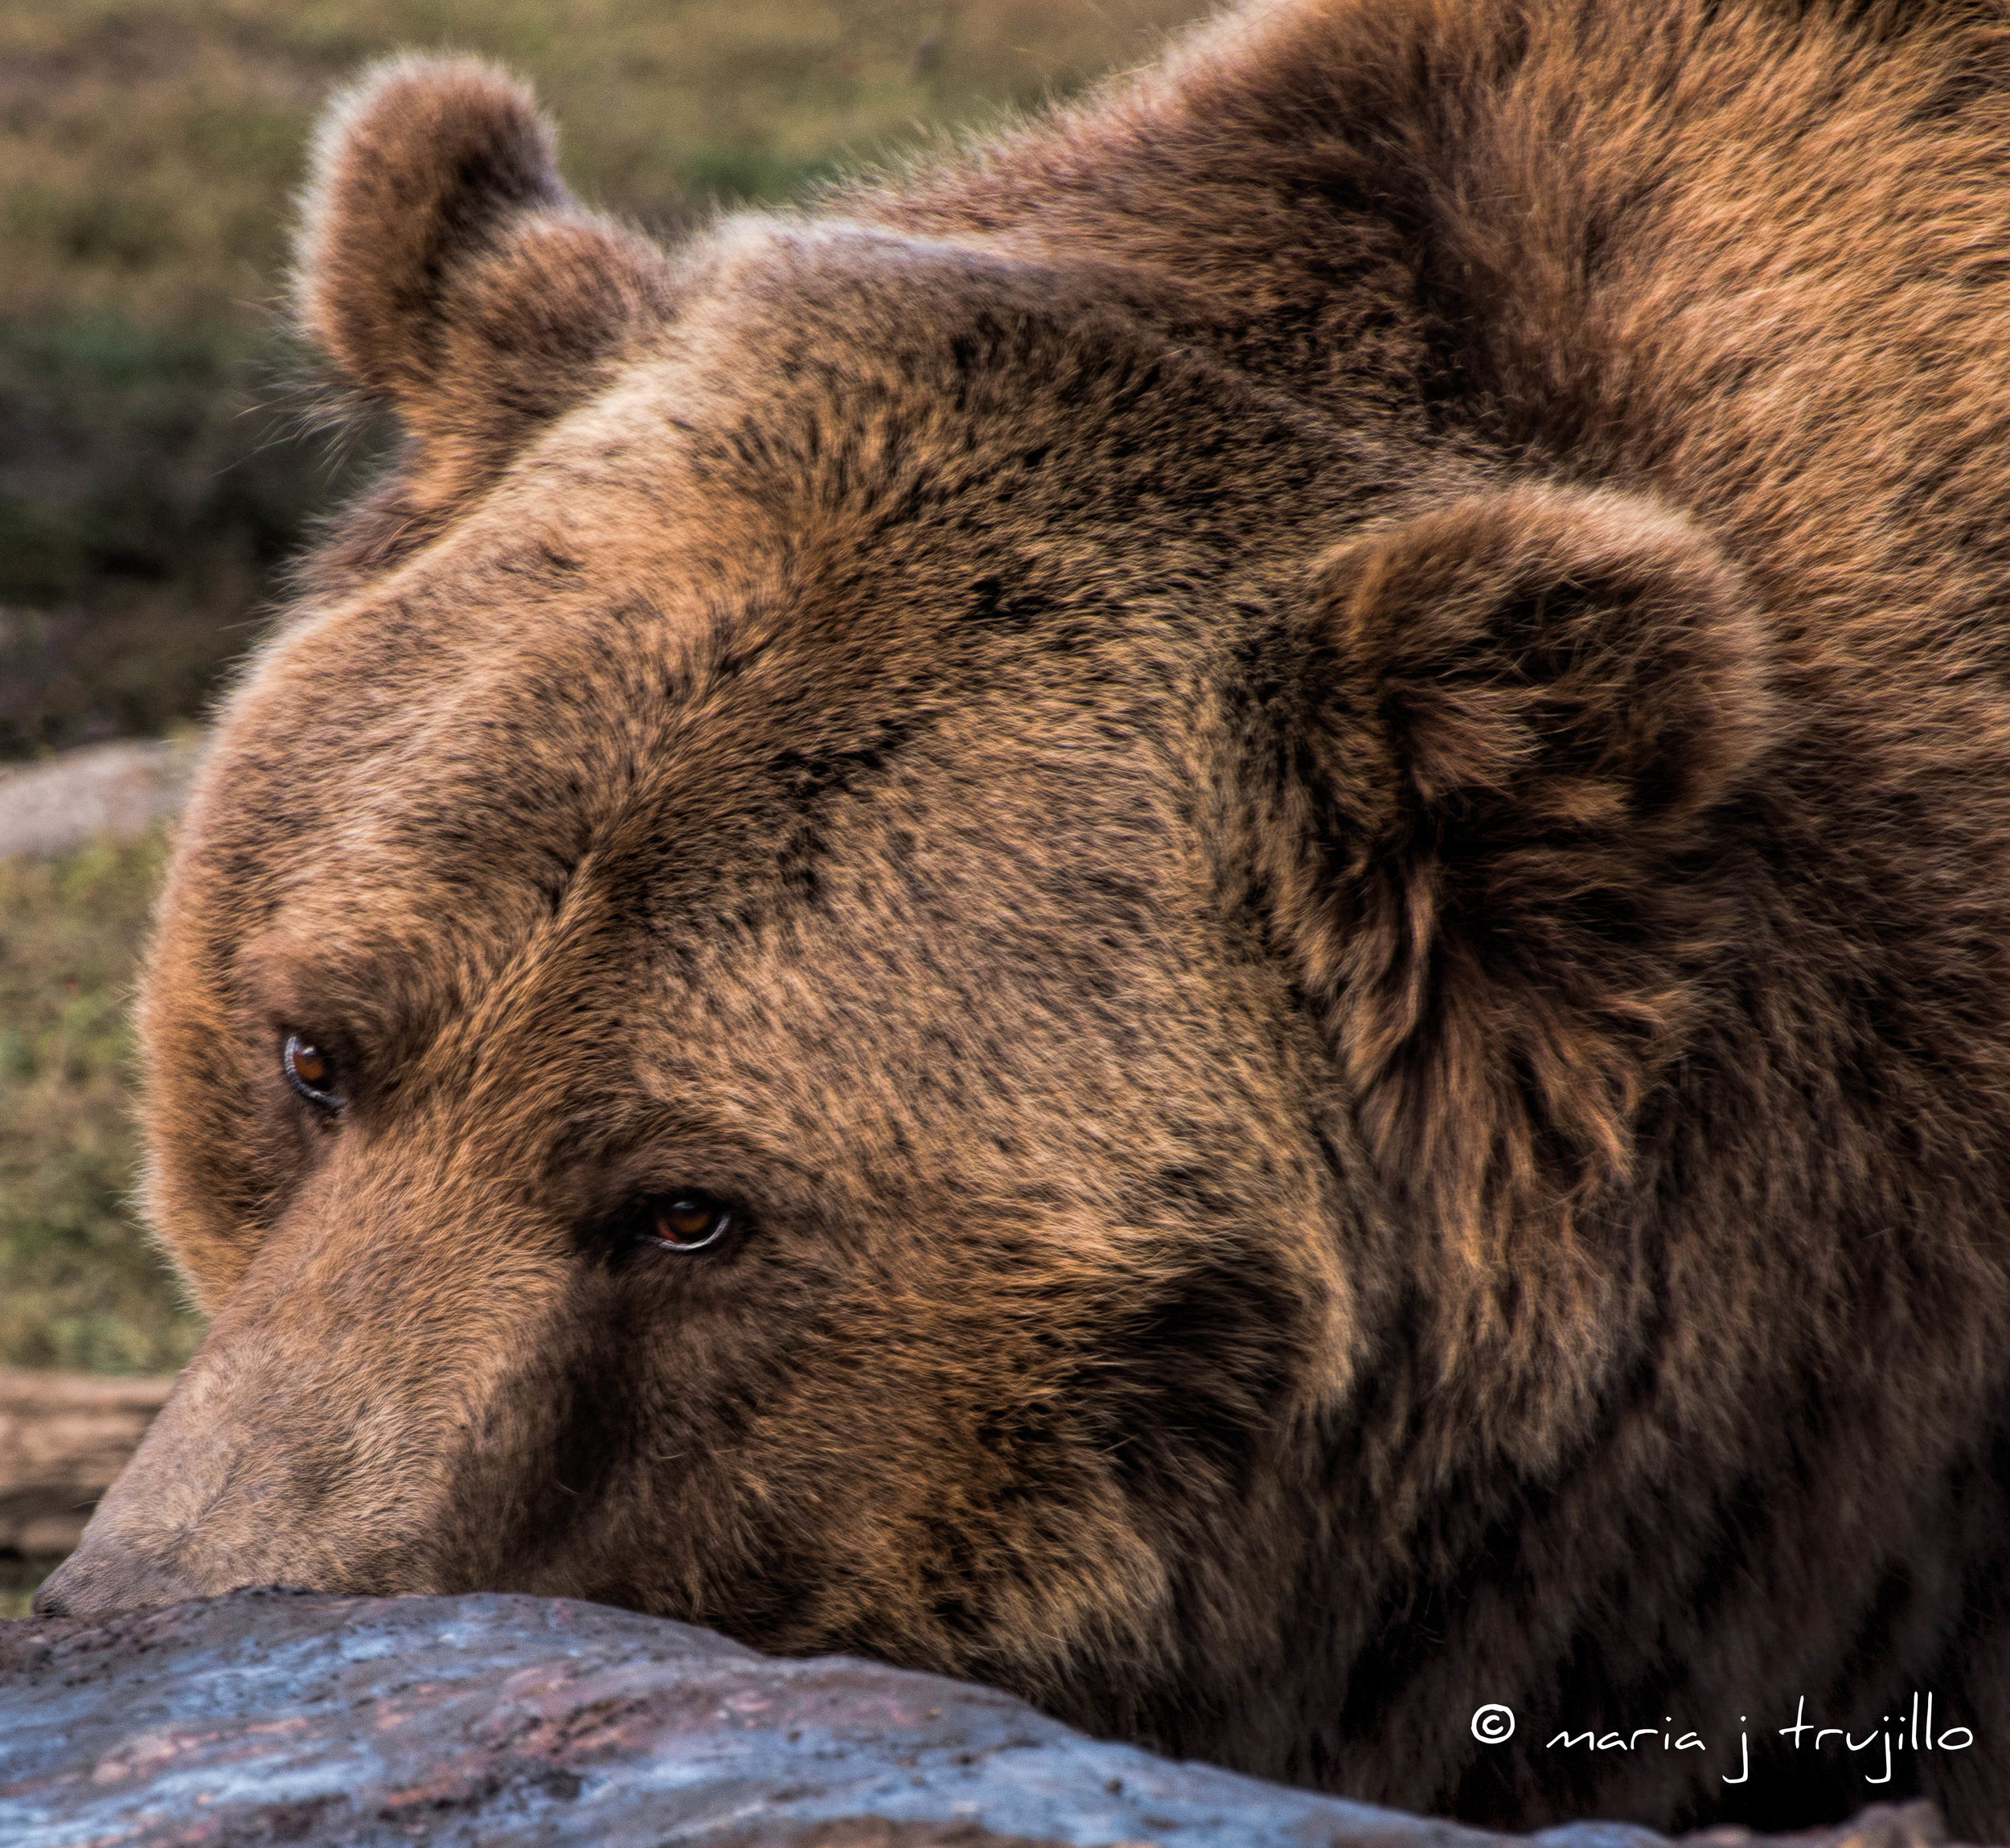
{"points": [[312, 1071]]}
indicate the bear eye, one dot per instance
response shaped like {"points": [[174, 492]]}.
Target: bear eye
{"points": [[310, 1069], [689, 1221]]}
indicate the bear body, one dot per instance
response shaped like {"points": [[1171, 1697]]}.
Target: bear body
{"points": [[1207, 914]]}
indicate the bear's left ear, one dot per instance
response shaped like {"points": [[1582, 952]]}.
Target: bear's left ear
{"points": [[1514, 715], [443, 266]]}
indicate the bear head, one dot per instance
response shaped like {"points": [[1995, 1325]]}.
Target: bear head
{"points": [[888, 959]]}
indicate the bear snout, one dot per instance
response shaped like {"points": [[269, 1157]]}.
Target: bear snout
{"points": [[94, 1581]]}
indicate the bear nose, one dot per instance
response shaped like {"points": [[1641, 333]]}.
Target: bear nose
{"points": [[93, 1581]]}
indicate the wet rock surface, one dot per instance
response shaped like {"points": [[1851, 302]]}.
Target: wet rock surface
{"points": [[270, 1717]]}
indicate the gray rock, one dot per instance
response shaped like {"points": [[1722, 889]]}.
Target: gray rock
{"points": [[270, 1717], [104, 789]]}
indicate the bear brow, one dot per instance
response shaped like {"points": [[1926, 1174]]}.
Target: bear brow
{"points": [[389, 996], [409, 966]]}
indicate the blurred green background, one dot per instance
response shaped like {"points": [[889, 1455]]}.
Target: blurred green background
{"points": [[155, 469]]}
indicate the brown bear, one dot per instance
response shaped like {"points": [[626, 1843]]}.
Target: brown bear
{"points": [[1210, 913]]}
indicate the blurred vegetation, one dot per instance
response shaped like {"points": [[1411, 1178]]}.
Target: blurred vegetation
{"points": [[82, 1286], [19, 1578], [153, 470], [152, 467]]}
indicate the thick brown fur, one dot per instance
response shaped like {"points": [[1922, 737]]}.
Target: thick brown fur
{"points": [[1302, 785]]}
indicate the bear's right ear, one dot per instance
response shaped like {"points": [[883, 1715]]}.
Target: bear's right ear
{"points": [[443, 266]]}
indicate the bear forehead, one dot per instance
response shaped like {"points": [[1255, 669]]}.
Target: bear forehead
{"points": [[860, 493]]}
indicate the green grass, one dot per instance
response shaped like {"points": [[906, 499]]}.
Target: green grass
{"points": [[149, 144], [153, 475], [19, 1578], [80, 1285]]}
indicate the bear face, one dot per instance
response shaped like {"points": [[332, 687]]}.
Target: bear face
{"points": [[946, 937], [832, 925]]}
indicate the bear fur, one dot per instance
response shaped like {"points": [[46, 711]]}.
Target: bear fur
{"points": [[1294, 794]]}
